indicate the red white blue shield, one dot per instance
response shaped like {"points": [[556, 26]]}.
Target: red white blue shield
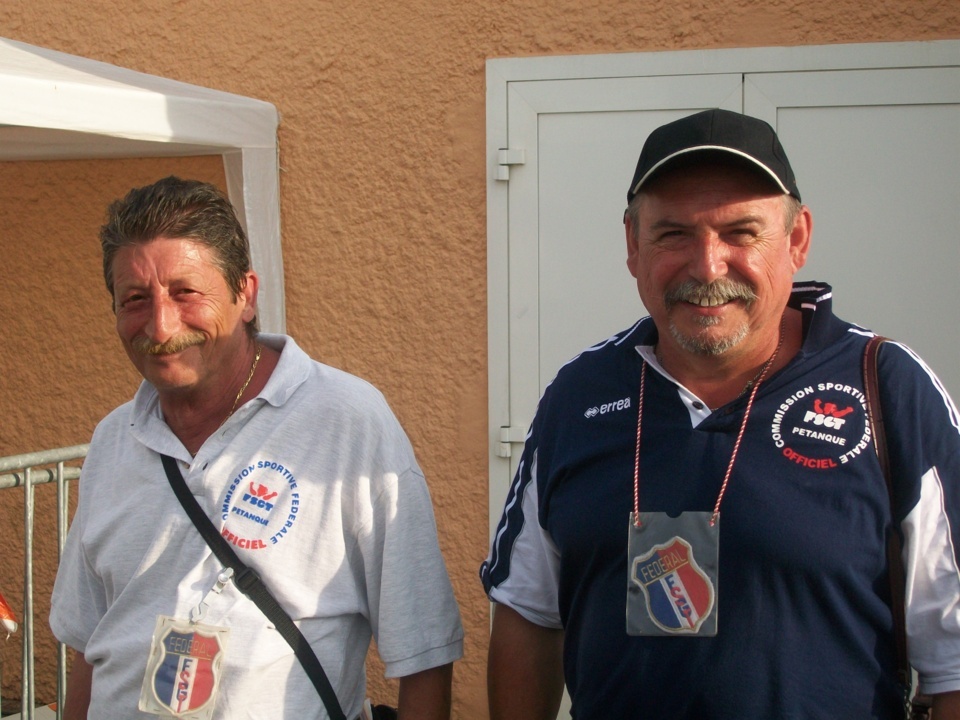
{"points": [[679, 594], [185, 677]]}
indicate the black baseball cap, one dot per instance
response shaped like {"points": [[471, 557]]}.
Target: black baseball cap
{"points": [[718, 132]]}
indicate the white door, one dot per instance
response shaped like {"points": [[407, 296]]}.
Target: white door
{"points": [[877, 156]]}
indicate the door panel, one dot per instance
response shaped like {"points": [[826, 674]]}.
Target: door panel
{"points": [[877, 158]]}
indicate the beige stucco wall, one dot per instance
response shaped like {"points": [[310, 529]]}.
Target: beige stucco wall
{"points": [[382, 191]]}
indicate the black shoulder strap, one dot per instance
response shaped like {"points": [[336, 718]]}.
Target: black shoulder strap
{"points": [[919, 706], [250, 584]]}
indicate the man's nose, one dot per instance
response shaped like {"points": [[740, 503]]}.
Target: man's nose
{"points": [[708, 258], [164, 320]]}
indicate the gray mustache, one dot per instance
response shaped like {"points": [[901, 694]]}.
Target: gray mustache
{"points": [[176, 344], [714, 293]]}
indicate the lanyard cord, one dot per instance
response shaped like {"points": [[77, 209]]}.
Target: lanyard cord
{"points": [[636, 456], [736, 444]]}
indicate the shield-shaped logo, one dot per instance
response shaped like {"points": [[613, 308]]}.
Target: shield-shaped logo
{"points": [[679, 594], [185, 676]]}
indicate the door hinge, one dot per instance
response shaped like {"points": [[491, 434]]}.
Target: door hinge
{"points": [[506, 158], [509, 436]]}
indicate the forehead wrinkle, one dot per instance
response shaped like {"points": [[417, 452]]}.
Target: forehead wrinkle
{"points": [[736, 222], [148, 263]]}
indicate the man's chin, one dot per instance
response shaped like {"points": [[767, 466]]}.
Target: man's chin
{"points": [[166, 377], [710, 341]]}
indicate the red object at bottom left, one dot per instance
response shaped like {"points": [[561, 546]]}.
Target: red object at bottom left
{"points": [[7, 619]]}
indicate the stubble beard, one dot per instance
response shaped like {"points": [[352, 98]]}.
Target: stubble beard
{"points": [[706, 345], [721, 291]]}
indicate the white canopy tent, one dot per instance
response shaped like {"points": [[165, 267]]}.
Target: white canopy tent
{"points": [[55, 106]]}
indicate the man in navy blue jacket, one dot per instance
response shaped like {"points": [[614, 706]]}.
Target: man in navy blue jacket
{"points": [[699, 522]]}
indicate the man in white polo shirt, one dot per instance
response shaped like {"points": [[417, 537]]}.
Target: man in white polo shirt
{"points": [[303, 469]]}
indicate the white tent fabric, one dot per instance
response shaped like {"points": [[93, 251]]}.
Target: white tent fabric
{"points": [[55, 106]]}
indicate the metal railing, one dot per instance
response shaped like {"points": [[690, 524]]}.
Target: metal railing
{"points": [[27, 471]]}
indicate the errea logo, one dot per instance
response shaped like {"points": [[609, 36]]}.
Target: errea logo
{"points": [[607, 407]]}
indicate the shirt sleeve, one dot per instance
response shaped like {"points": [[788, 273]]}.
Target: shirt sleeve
{"points": [[79, 601], [413, 612], [522, 569], [932, 590], [923, 429]]}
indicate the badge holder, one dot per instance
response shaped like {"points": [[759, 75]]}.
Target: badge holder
{"points": [[183, 670], [673, 574]]}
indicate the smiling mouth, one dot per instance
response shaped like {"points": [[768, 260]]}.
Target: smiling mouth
{"points": [[710, 295], [708, 302]]}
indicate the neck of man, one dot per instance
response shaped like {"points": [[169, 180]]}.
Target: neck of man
{"points": [[721, 379], [195, 415]]}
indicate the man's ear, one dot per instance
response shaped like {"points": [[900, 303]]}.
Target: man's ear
{"points": [[800, 238], [633, 247], [248, 294]]}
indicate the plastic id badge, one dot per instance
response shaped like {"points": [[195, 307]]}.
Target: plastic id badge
{"points": [[672, 578], [183, 670]]}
